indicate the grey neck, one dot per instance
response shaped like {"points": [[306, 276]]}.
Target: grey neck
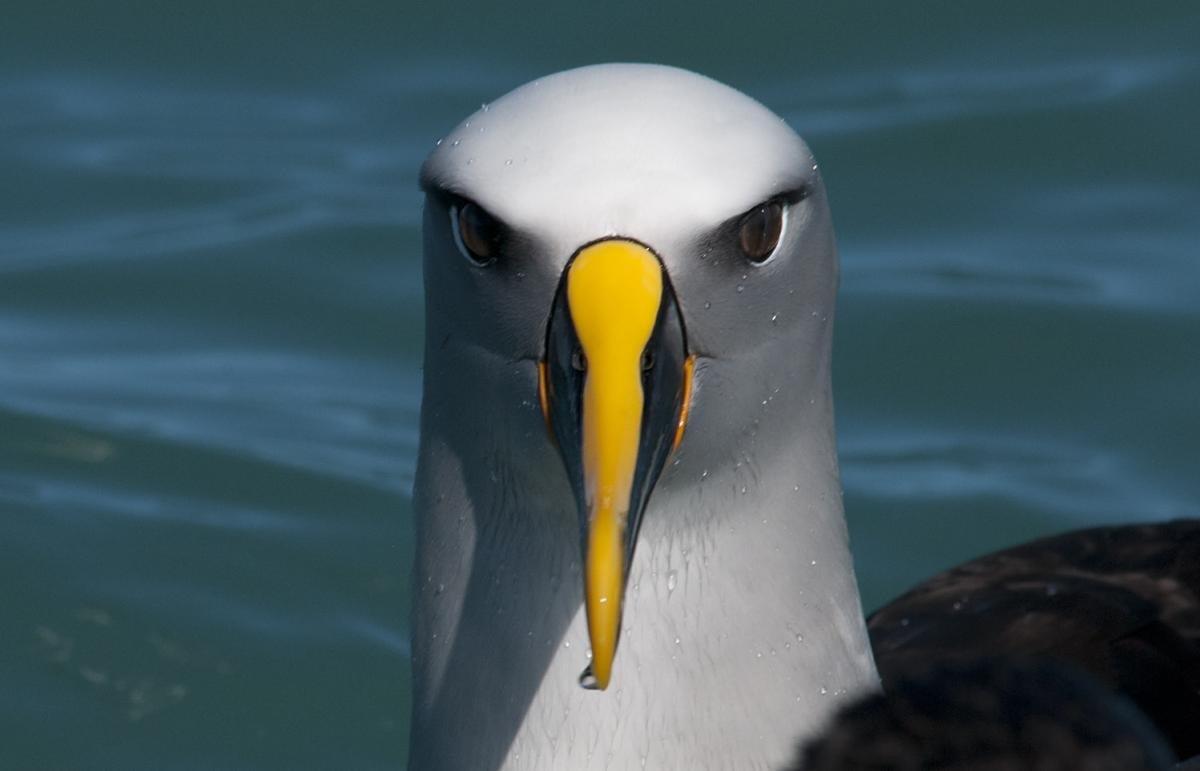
{"points": [[742, 625]]}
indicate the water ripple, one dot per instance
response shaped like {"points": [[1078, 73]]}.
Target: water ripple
{"points": [[1087, 483], [903, 97]]}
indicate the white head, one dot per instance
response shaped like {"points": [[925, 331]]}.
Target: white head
{"points": [[641, 259]]}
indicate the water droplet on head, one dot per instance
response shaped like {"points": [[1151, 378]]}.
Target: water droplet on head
{"points": [[456, 143], [671, 576], [508, 161], [740, 288], [707, 305], [437, 143], [824, 690], [485, 107]]}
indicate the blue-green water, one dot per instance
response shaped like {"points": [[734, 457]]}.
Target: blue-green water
{"points": [[210, 317]]}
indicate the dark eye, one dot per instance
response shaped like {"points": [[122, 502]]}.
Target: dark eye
{"points": [[476, 232], [760, 230]]}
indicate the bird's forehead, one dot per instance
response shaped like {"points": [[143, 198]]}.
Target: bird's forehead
{"points": [[639, 150]]}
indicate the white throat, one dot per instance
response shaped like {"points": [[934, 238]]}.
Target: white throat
{"points": [[743, 630]]}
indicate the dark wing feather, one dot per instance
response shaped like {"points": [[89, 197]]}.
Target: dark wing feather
{"points": [[1121, 602], [1006, 713]]}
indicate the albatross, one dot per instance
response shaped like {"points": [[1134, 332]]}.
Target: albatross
{"points": [[631, 547]]}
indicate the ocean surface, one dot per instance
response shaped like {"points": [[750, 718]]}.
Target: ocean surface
{"points": [[211, 314]]}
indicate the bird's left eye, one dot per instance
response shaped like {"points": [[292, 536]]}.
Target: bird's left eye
{"points": [[760, 230], [476, 233]]}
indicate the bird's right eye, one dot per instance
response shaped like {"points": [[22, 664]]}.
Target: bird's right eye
{"points": [[476, 233]]}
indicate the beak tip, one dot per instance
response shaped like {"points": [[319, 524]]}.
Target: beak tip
{"points": [[593, 681], [602, 634]]}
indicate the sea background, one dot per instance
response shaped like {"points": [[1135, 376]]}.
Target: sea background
{"points": [[211, 313]]}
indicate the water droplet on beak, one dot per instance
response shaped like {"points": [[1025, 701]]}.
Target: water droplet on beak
{"points": [[587, 680]]}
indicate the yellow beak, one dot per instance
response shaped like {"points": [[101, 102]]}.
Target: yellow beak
{"points": [[614, 292]]}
